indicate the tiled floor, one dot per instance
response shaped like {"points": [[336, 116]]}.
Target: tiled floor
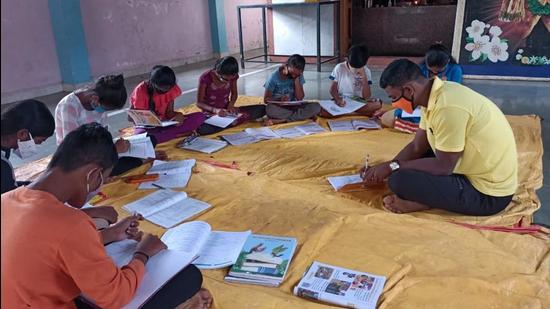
{"points": [[513, 97]]}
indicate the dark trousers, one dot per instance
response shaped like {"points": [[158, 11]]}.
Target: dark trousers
{"points": [[251, 112], [176, 291], [179, 289], [453, 193], [125, 164]]}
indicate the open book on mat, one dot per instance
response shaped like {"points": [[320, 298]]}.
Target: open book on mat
{"points": [[340, 286], [146, 118], [167, 207], [160, 268], [215, 249], [253, 135], [222, 122], [140, 147], [332, 108], [172, 174], [339, 182], [353, 124], [263, 260], [205, 145]]}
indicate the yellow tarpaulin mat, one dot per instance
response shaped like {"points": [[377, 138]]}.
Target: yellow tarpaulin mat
{"points": [[280, 188]]}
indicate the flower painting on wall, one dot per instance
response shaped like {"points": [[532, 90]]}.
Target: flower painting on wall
{"points": [[506, 37]]}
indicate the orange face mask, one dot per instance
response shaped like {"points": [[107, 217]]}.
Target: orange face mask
{"points": [[403, 104]]}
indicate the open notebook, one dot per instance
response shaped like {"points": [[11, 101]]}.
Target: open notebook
{"points": [[158, 271], [339, 182], [332, 108], [140, 147], [222, 122], [205, 145], [172, 174], [215, 249], [353, 124], [166, 207], [253, 135]]}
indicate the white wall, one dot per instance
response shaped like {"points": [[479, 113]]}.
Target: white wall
{"points": [[295, 29]]}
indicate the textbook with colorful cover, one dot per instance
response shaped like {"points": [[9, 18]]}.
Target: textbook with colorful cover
{"points": [[340, 286], [264, 260], [146, 118]]}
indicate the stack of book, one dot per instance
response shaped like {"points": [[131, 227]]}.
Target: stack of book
{"points": [[264, 260]]}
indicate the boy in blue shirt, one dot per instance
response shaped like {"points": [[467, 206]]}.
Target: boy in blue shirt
{"points": [[286, 84]]}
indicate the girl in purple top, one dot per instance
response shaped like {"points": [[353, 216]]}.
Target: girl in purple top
{"points": [[218, 93]]}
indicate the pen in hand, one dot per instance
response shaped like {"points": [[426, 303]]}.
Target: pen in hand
{"points": [[363, 174]]}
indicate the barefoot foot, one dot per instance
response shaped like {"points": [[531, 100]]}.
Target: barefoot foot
{"points": [[161, 155], [269, 122], [400, 206], [201, 300]]}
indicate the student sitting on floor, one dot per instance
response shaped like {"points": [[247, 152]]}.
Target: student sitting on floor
{"points": [[90, 104], [24, 126], [352, 78], [218, 93], [157, 94], [437, 62], [51, 253], [286, 84], [463, 157]]}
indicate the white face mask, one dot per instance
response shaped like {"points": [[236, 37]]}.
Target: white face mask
{"points": [[25, 149], [354, 71], [93, 193]]}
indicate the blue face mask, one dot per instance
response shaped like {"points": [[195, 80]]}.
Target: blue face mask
{"points": [[98, 108]]}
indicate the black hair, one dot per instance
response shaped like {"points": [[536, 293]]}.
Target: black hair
{"points": [[227, 66], [296, 61], [111, 91], [358, 55], [400, 72], [438, 56], [89, 143], [32, 115], [160, 76]]}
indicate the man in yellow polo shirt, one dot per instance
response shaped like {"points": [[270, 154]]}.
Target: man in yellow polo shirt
{"points": [[463, 158]]}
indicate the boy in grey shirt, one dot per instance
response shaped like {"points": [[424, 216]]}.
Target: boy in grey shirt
{"points": [[286, 84]]}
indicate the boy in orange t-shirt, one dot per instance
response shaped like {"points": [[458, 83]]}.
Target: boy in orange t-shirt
{"points": [[51, 253]]}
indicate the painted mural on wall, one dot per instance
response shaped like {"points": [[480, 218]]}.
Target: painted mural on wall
{"points": [[506, 37]]}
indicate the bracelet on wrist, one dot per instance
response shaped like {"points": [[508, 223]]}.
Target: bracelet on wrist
{"points": [[142, 254]]}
